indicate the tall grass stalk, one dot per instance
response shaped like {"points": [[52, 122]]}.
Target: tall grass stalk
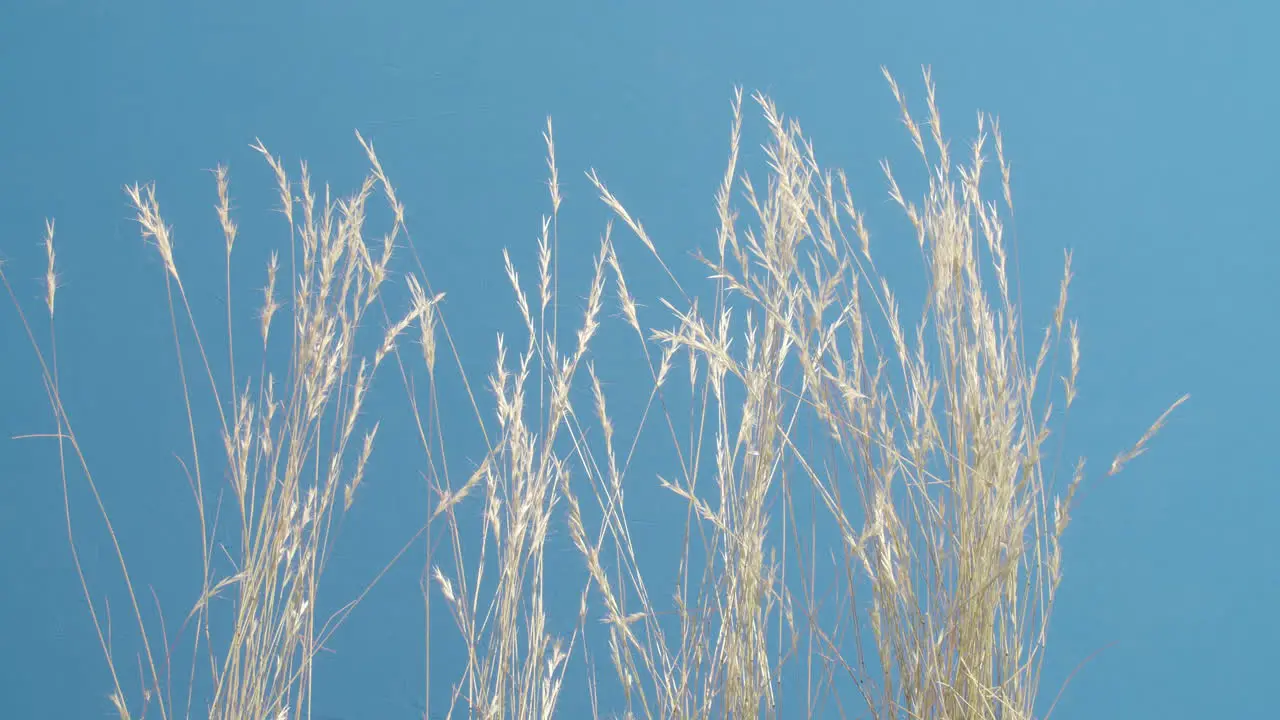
{"points": [[872, 511]]}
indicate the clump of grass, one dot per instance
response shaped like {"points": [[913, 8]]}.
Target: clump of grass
{"points": [[839, 468], [293, 448], [942, 511]]}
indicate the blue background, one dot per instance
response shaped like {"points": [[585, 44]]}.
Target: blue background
{"points": [[1142, 135]]}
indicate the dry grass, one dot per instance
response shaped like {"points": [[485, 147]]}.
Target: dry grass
{"points": [[871, 508], [293, 449]]}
